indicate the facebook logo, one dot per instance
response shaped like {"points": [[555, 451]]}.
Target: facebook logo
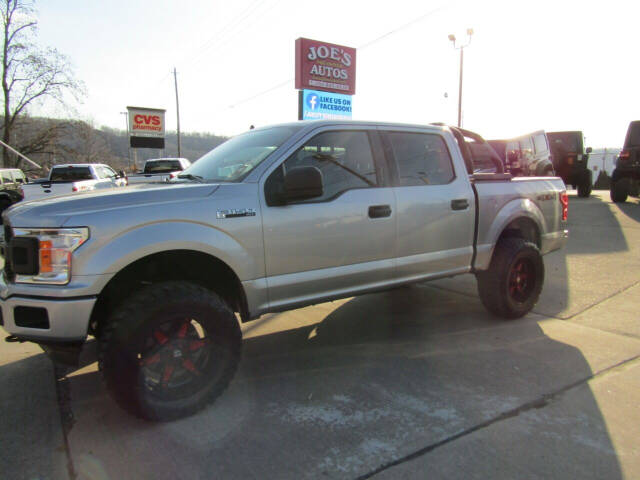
{"points": [[312, 101]]}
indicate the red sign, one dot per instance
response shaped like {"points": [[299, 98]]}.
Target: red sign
{"points": [[325, 66]]}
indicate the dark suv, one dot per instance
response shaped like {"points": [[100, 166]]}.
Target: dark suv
{"points": [[570, 160], [627, 169], [11, 181]]}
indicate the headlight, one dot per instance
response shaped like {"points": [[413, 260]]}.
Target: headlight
{"points": [[55, 246]]}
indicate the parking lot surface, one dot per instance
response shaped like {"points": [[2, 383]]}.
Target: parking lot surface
{"points": [[412, 383]]}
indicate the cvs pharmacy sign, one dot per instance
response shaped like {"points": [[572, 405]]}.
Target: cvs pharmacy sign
{"points": [[146, 122]]}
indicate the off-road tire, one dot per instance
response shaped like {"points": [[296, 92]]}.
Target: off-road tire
{"points": [[130, 325], [585, 186], [494, 283], [619, 191]]}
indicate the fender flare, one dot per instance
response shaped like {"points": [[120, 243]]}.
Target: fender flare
{"points": [[513, 211]]}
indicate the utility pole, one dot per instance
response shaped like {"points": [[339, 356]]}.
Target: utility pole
{"points": [[175, 79], [461, 48], [126, 132]]}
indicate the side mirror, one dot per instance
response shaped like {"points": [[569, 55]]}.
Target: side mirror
{"points": [[589, 150], [301, 183], [122, 174]]}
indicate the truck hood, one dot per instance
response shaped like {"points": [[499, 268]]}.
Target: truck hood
{"points": [[53, 212]]}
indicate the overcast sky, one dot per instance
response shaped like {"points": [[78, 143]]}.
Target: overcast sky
{"points": [[553, 65]]}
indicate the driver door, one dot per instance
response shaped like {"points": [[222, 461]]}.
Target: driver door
{"points": [[340, 242]]}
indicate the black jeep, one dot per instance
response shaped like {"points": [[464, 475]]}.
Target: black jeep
{"points": [[627, 171], [570, 160]]}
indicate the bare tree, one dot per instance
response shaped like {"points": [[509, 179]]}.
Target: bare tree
{"points": [[29, 74]]}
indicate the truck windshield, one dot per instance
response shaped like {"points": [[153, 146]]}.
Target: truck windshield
{"points": [[70, 174], [162, 166], [237, 157]]}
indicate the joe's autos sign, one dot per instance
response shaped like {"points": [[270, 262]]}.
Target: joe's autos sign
{"points": [[325, 66], [146, 127]]}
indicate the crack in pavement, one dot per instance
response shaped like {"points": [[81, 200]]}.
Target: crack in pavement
{"points": [[63, 394], [538, 403]]}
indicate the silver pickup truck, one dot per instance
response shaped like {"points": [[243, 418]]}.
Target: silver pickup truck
{"points": [[273, 219]]}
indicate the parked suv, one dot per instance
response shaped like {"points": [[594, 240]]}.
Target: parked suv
{"points": [[628, 164], [570, 160], [528, 155], [11, 181]]}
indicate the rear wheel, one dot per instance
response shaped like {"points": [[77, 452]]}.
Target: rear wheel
{"points": [[169, 350], [619, 190], [584, 187], [512, 284], [548, 171]]}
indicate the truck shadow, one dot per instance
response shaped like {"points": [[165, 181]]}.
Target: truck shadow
{"points": [[369, 382]]}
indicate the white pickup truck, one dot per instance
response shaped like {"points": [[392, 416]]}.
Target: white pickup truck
{"points": [[71, 178], [160, 170], [274, 219]]}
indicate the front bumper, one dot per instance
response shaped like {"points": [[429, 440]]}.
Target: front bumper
{"points": [[47, 319]]}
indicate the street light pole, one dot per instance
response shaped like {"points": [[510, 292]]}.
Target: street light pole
{"points": [[461, 47]]}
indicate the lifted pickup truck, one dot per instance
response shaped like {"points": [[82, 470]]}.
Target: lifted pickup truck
{"points": [[160, 170], [273, 219], [71, 178]]}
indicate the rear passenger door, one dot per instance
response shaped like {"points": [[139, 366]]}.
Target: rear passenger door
{"points": [[341, 241], [435, 203]]}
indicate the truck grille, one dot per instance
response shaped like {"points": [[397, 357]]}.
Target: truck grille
{"points": [[8, 234]]}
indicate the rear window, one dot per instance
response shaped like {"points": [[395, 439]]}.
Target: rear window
{"points": [[565, 141], [633, 135], [162, 166], [70, 174]]}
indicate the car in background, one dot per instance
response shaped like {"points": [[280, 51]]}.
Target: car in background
{"points": [[11, 182], [570, 160], [528, 155], [71, 178], [627, 171], [160, 170]]}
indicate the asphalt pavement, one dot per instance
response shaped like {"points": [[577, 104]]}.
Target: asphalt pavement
{"points": [[418, 382]]}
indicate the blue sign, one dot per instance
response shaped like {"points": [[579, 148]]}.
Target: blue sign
{"points": [[318, 105]]}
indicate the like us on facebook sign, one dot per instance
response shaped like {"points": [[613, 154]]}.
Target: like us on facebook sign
{"points": [[319, 105]]}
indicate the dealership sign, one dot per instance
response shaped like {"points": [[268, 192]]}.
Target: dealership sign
{"points": [[325, 66], [325, 106], [146, 127]]}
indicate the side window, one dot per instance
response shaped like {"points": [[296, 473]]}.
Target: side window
{"points": [[109, 172], [18, 176], [343, 157], [6, 177], [540, 142], [526, 145], [423, 158], [102, 172]]}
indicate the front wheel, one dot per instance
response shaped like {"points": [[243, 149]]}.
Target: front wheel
{"points": [[512, 284], [169, 350]]}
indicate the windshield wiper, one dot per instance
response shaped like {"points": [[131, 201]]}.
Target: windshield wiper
{"points": [[195, 178]]}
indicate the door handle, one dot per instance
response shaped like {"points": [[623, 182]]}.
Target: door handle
{"points": [[459, 204], [379, 211]]}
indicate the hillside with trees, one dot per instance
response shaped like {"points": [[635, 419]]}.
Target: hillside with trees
{"points": [[49, 141]]}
